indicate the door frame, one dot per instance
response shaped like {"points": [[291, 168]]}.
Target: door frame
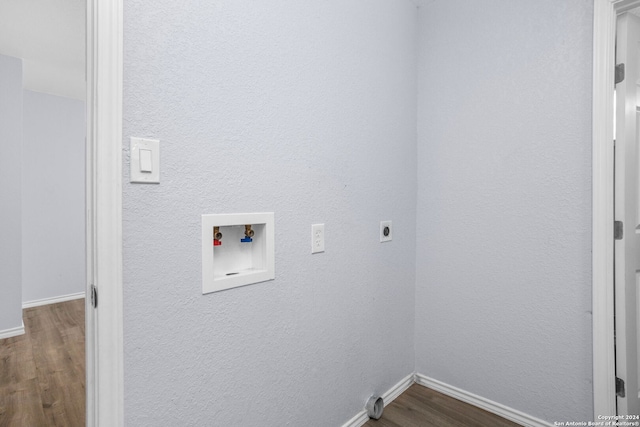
{"points": [[605, 13], [104, 331]]}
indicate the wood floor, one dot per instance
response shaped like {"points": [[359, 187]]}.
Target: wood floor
{"points": [[422, 407], [42, 374]]}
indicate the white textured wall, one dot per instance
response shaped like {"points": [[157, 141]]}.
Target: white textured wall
{"points": [[503, 298], [10, 197], [306, 109], [53, 241]]}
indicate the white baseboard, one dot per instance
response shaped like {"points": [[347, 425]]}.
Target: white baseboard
{"points": [[486, 404], [389, 396], [358, 421], [13, 332], [395, 391], [53, 300]]}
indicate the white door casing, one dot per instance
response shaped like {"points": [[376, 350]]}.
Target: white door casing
{"points": [[627, 211], [104, 333]]}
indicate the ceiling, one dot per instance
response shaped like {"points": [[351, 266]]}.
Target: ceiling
{"points": [[49, 36]]}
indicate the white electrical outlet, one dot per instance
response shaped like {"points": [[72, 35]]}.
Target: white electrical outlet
{"points": [[317, 238], [386, 231]]}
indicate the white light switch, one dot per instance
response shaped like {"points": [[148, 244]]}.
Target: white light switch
{"points": [[145, 160]]}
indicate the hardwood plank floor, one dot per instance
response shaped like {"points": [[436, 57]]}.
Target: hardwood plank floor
{"points": [[420, 406], [42, 374]]}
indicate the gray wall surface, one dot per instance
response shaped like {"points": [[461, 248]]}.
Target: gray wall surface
{"points": [[53, 222], [10, 194], [503, 297], [306, 109]]}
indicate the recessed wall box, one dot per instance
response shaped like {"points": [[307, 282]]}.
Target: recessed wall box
{"points": [[237, 250]]}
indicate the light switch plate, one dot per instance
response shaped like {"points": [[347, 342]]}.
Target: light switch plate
{"points": [[145, 168]]}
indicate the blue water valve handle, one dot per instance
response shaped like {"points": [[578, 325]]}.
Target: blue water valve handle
{"points": [[247, 240]]}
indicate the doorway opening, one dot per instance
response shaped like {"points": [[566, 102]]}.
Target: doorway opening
{"points": [[43, 69]]}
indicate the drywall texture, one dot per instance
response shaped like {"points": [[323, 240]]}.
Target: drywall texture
{"points": [[503, 297], [10, 194], [305, 109], [53, 242]]}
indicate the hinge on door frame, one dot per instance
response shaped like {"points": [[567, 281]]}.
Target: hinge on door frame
{"points": [[619, 73], [94, 296], [620, 387], [618, 230]]}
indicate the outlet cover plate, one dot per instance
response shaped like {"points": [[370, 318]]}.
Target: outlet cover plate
{"points": [[386, 231], [317, 238]]}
